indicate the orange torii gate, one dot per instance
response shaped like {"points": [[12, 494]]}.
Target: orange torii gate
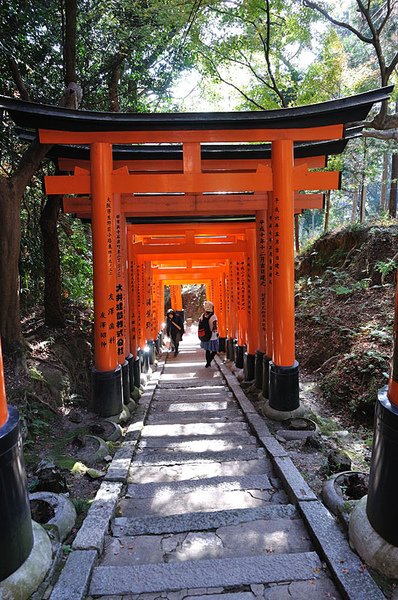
{"points": [[279, 176]]}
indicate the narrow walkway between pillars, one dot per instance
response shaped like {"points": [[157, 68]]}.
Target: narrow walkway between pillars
{"points": [[201, 502], [203, 515]]}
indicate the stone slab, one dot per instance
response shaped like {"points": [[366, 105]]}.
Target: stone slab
{"points": [[222, 416], [95, 526], [253, 538], [176, 458], [75, 576], [314, 589], [273, 447], [197, 444], [211, 573], [234, 386], [184, 406], [193, 429], [258, 424], [231, 596], [142, 474], [296, 488], [221, 484], [210, 499], [351, 575], [199, 521], [186, 385], [167, 398], [118, 470]]}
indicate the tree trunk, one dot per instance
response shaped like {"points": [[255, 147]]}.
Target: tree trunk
{"points": [[354, 206], [297, 234], [327, 211], [383, 192], [70, 42], [10, 238], [53, 311], [392, 200], [362, 203]]}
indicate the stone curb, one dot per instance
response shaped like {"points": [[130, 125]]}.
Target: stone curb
{"points": [[350, 574], [75, 576], [119, 467]]}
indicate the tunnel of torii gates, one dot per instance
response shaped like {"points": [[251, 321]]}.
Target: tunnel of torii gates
{"points": [[194, 197], [234, 181]]}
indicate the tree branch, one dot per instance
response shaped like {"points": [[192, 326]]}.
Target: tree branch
{"points": [[315, 6], [389, 134], [17, 77], [229, 82]]}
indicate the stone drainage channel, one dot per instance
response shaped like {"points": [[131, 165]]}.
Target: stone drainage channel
{"points": [[202, 503]]}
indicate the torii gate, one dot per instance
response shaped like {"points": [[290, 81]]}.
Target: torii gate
{"points": [[280, 177]]}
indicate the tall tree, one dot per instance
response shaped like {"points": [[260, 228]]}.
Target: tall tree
{"points": [[140, 44]]}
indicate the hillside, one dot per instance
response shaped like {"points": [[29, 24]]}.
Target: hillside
{"points": [[344, 315]]}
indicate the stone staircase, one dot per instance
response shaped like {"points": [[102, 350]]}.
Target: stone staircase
{"points": [[204, 516]]}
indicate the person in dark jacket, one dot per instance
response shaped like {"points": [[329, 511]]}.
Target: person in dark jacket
{"points": [[174, 329]]}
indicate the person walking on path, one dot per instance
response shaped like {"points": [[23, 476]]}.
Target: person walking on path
{"points": [[208, 332], [174, 329]]}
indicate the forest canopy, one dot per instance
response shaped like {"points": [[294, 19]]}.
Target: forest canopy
{"points": [[175, 55]]}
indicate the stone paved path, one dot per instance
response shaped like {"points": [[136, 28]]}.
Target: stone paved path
{"points": [[204, 517], [201, 502]]}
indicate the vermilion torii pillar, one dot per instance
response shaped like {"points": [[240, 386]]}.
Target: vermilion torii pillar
{"points": [[107, 396]]}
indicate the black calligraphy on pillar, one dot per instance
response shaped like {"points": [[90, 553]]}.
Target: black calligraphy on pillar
{"points": [[249, 286], [120, 320], [112, 315], [133, 308], [109, 236], [242, 285], [262, 266], [103, 330], [276, 237], [238, 285]]}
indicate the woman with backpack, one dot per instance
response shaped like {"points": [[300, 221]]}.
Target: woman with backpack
{"points": [[207, 332]]}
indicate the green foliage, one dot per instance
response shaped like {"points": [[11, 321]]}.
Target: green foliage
{"points": [[386, 267], [76, 262]]}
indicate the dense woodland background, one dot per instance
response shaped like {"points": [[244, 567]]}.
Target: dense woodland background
{"points": [[178, 55]]}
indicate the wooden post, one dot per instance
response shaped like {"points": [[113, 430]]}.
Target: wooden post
{"points": [[283, 383], [107, 397]]}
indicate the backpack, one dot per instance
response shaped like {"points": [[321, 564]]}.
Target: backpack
{"points": [[204, 332]]}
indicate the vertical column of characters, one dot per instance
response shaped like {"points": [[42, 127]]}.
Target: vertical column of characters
{"points": [[120, 285], [262, 275], [148, 300], [132, 287]]}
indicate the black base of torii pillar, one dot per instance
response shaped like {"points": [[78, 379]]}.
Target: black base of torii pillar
{"points": [[16, 535]]}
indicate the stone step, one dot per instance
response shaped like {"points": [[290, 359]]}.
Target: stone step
{"points": [[175, 396], [179, 458], [199, 521], [219, 484], [211, 384], [144, 474], [190, 574], [198, 429], [192, 406], [222, 416], [254, 538], [219, 493], [199, 444]]}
